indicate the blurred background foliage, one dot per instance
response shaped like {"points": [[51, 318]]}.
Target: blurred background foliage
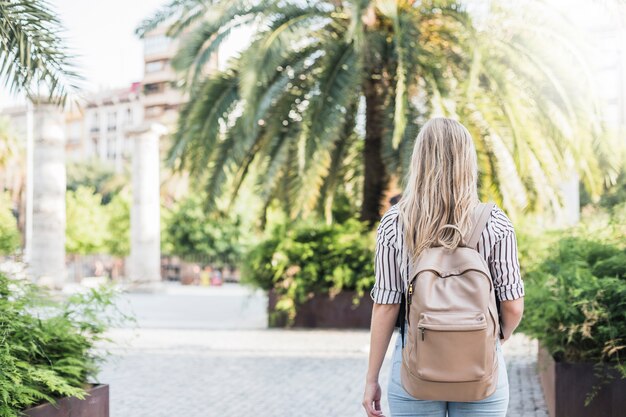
{"points": [[208, 237]]}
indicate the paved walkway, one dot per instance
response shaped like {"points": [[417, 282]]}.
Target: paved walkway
{"points": [[203, 369]]}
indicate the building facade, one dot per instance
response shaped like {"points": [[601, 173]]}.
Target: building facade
{"points": [[161, 86], [73, 129], [161, 96], [107, 116]]}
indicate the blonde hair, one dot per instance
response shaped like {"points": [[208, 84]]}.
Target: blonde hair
{"points": [[441, 187]]}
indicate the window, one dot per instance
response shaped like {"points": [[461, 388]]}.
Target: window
{"points": [[155, 66], [111, 148], [94, 146], [111, 121], [95, 123], [154, 111], [157, 44], [74, 132], [154, 88]]}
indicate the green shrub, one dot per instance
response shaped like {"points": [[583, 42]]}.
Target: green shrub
{"points": [[192, 233], [615, 266], [312, 258], [98, 176], [9, 233], [87, 222], [94, 227], [117, 242], [576, 300], [47, 347]]}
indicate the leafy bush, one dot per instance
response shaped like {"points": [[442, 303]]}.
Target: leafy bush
{"points": [[576, 296], [96, 175], [47, 347], [87, 222], [310, 259], [192, 233], [117, 242], [94, 227], [9, 233]]}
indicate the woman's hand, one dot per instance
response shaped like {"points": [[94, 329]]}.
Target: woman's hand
{"points": [[371, 399], [383, 320]]}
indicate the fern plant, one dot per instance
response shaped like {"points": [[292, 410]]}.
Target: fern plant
{"points": [[46, 346]]}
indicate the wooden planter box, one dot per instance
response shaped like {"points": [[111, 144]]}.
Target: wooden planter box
{"points": [[94, 405], [323, 312], [566, 385]]}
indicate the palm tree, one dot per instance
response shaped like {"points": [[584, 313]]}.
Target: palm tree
{"points": [[34, 61], [290, 107], [32, 54]]}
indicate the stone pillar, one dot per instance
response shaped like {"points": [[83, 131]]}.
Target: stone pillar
{"points": [[144, 264], [47, 260]]}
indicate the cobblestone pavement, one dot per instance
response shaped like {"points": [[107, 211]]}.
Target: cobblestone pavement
{"points": [[212, 371]]}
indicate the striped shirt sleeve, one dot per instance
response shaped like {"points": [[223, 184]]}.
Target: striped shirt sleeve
{"points": [[503, 259], [387, 288]]}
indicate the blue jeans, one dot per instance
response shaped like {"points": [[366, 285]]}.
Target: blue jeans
{"points": [[402, 404]]}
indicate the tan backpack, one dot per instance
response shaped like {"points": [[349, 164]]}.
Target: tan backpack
{"points": [[450, 351]]}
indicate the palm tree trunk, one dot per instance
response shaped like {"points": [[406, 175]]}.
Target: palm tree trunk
{"points": [[375, 179]]}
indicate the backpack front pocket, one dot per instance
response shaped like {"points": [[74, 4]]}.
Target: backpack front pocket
{"points": [[451, 347]]}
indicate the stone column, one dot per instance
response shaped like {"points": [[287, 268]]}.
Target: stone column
{"points": [[143, 268], [47, 260]]}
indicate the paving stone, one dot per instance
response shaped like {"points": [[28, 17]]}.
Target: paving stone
{"points": [[205, 353], [278, 373]]}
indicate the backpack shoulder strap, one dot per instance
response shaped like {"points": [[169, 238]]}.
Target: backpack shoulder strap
{"points": [[482, 212]]}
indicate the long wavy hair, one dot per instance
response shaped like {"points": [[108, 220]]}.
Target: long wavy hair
{"points": [[441, 187]]}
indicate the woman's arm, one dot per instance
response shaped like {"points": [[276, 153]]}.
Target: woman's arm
{"points": [[383, 321], [506, 272], [512, 312]]}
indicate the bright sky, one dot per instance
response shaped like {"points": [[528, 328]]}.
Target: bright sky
{"points": [[101, 33]]}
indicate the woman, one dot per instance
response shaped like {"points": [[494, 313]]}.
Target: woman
{"points": [[441, 189]]}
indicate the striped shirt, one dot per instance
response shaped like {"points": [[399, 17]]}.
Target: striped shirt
{"points": [[497, 245]]}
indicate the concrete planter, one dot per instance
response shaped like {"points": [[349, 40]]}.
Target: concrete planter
{"points": [[95, 405], [322, 311], [566, 385]]}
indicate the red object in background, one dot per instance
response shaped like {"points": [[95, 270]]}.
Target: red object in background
{"points": [[216, 278], [135, 86]]}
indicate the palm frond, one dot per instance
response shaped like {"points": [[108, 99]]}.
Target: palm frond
{"points": [[200, 124], [208, 34], [336, 169], [286, 31], [32, 53], [281, 97], [172, 12]]}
